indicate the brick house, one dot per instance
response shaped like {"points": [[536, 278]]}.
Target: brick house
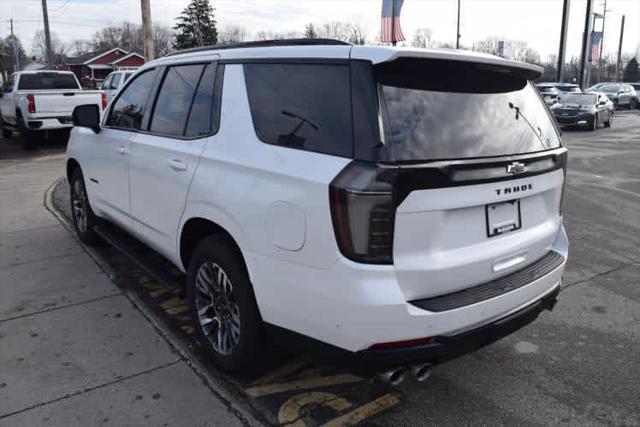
{"points": [[99, 64]]}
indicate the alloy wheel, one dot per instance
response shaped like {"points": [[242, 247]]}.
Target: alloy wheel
{"points": [[218, 313], [79, 205]]}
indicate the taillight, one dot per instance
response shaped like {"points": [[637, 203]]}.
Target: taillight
{"points": [[104, 100], [31, 103], [564, 181], [363, 212]]}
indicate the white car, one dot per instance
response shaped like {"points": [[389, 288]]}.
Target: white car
{"points": [[34, 102], [113, 82], [357, 197]]}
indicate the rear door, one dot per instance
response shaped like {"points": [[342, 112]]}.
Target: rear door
{"points": [[165, 157], [481, 173]]}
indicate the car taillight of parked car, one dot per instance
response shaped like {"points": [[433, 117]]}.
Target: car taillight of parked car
{"points": [[31, 101], [363, 212], [104, 100]]}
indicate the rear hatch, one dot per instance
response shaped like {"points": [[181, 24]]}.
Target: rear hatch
{"points": [[468, 179], [482, 177]]}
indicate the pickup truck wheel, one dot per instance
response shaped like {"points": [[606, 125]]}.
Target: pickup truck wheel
{"points": [[27, 137], [84, 220], [6, 133], [223, 306]]}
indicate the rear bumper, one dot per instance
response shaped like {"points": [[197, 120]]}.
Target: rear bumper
{"points": [[443, 348]]}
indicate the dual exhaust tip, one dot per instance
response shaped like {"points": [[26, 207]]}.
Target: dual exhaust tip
{"points": [[396, 376]]}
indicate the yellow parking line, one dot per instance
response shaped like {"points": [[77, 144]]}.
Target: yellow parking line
{"points": [[159, 292], [364, 411], [290, 412], [263, 390], [281, 371]]}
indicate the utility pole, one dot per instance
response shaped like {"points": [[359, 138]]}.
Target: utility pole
{"points": [[619, 61], [458, 28], [16, 54], [47, 36], [563, 40], [147, 31], [604, 18], [586, 39]]}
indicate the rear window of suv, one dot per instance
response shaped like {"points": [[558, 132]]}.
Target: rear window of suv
{"points": [[434, 109], [303, 106], [47, 81]]}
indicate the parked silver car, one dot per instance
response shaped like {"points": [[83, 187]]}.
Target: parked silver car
{"points": [[621, 94]]}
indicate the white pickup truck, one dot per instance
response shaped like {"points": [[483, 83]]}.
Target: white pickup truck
{"points": [[36, 102]]}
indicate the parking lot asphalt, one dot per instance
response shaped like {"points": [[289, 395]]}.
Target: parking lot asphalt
{"points": [[576, 365]]}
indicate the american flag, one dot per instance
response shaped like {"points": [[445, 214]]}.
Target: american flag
{"points": [[391, 31], [596, 46]]}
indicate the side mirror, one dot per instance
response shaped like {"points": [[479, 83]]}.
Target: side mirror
{"points": [[602, 103], [87, 116]]}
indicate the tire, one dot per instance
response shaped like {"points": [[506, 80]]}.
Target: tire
{"points": [[238, 346], [609, 121], [27, 137], [594, 124], [83, 218], [6, 133]]}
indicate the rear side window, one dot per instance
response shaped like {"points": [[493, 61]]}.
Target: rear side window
{"points": [[115, 81], [47, 81], [130, 107], [303, 106], [174, 99]]}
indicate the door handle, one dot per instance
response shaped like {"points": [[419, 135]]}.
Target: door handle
{"points": [[177, 165], [121, 149]]}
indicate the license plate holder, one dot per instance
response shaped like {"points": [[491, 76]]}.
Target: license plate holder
{"points": [[503, 217]]}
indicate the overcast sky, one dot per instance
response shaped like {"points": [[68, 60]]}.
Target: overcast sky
{"points": [[535, 21]]}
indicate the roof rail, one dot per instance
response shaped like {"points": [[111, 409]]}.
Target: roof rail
{"points": [[264, 43]]}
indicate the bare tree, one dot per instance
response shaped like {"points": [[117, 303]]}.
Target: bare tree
{"points": [[39, 48], [488, 45], [79, 47], [357, 32], [422, 38], [276, 35], [335, 30], [519, 51], [128, 36], [232, 34]]}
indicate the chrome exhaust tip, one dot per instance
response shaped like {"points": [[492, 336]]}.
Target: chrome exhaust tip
{"points": [[421, 371], [393, 376]]}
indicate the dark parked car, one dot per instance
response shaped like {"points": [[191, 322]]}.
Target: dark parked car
{"points": [[549, 93], [584, 110], [622, 94]]}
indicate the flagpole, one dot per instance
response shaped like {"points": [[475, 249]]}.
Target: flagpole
{"points": [[393, 22]]}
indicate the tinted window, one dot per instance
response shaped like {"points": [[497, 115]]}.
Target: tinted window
{"points": [[106, 84], [129, 108], [115, 81], [174, 99], [448, 110], [305, 106], [47, 81], [201, 109]]}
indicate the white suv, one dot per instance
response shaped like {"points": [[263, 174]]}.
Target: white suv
{"points": [[401, 206]]}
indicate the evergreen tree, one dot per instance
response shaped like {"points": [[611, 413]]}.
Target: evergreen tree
{"points": [[196, 26], [631, 71], [310, 31]]}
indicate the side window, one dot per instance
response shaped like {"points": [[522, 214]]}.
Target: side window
{"points": [[200, 118], [129, 108], [115, 81], [303, 106], [106, 84], [174, 99]]}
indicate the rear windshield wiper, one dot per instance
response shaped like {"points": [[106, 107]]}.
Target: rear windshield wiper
{"points": [[538, 134]]}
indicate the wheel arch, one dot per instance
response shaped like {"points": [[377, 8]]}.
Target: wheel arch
{"points": [[197, 228], [72, 165]]}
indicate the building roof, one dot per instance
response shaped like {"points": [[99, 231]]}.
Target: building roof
{"points": [[91, 56], [127, 56]]}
